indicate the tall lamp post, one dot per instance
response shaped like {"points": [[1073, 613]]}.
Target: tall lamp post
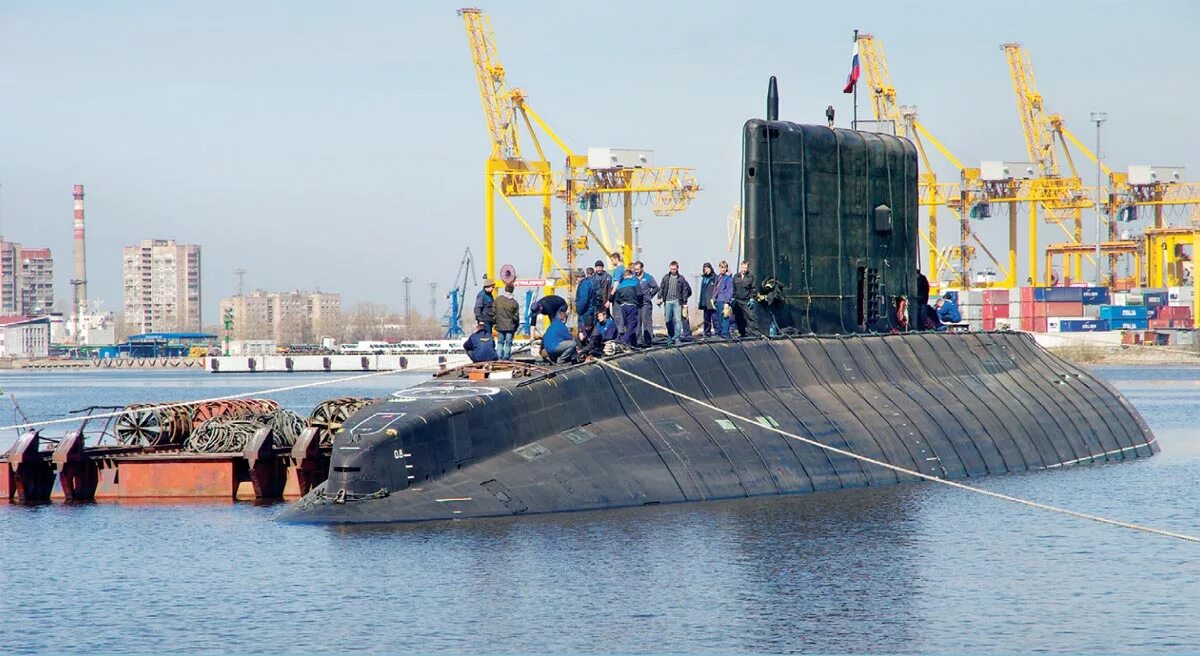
{"points": [[637, 247], [1099, 118]]}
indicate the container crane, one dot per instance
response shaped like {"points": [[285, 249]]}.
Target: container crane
{"points": [[1162, 247], [511, 172], [1058, 190], [1157, 188]]}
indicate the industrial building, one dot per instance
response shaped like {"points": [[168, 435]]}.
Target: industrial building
{"points": [[162, 286], [296, 317], [26, 280], [24, 337]]}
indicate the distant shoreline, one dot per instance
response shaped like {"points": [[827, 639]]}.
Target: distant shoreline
{"points": [[113, 364]]}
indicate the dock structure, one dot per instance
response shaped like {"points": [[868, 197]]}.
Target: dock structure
{"points": [[332, 363], [32, 474]]}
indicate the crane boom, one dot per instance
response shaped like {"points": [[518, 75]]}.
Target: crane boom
{"points": [[511, 174], [1036, 125], [879, 79], [499, 102]]}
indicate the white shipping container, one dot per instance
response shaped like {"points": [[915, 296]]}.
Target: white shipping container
{"points": [[1014, 310], [1179, 295], [971, 312], [1092, 311], [970, 297]]}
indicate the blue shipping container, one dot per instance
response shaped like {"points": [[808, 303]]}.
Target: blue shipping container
{"points": [[1082, 325], [1096, 296], [1114, 312], [1058, 294], [1129, 324], [1154, 298]]}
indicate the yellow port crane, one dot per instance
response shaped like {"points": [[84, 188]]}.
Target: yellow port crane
{"points": [[1157, 188], [1057, 190], [512, 173]]}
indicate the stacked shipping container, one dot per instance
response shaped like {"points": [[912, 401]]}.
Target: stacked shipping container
{"points": [[1075, 309]]}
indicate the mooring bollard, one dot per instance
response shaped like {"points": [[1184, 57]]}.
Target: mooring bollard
{"points": [[311, 463], [268, 472], [78, 475], [30, 474]]}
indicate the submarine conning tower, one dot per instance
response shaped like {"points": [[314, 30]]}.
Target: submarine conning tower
{"points": [[830, 224]]}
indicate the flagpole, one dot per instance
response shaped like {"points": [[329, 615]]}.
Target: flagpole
{"points": [[854, 123]]}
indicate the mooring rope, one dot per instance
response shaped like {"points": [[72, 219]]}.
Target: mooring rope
{"points": [[929, 477], [226, 397]]}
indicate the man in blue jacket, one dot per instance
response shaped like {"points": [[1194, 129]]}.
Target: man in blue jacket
{"points": [[485, 312], [649, 289], [723, 299], [480, 346], [585, 300], [947, 311], [557, 343], [603, 330], [627, 299]]}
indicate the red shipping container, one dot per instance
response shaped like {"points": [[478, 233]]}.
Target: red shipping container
{"points": [[1160, 324], [995, 312], [1027, 309], [995, 296], [988, 324], [1026, 294], [1171, 312], [1058, 309], [1181, 323], [1033, 324]]}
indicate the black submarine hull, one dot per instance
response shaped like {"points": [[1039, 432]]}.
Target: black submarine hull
{"points": [[957, 406]]}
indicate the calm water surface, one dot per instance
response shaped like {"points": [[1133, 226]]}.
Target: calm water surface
{"points": [[916, 568]]}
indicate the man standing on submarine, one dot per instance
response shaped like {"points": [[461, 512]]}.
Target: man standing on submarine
{"points": [[743, 301]]}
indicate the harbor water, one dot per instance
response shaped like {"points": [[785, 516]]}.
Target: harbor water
{"points": [[910, 568]]}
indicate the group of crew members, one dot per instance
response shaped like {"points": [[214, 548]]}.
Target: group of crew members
{"points": [[616, 307], [620, 307]]}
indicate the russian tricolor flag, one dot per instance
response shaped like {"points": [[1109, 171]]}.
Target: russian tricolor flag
{"points": [[852, 78]]}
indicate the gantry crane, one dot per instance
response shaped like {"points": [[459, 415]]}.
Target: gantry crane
{"points": [[511, 172], [1056, 189], [1160, 247]]}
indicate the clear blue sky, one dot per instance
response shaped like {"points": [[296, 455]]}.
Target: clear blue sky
{"points": [[341, 145]]}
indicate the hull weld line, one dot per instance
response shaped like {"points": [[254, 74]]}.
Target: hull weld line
{"points": [[1100, 455]]}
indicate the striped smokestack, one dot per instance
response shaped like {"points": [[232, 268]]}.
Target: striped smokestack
{"points": [[80, 281]]}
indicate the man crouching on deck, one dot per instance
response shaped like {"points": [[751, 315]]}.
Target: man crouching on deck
{"points": [[558, 346]]}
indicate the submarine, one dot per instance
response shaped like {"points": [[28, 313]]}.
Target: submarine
{"points": [[831, 230]]}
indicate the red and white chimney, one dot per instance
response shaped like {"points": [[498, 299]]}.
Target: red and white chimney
{"points": [[80, 280]]}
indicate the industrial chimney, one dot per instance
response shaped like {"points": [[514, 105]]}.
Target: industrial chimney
{"points": [[79, 282]]}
